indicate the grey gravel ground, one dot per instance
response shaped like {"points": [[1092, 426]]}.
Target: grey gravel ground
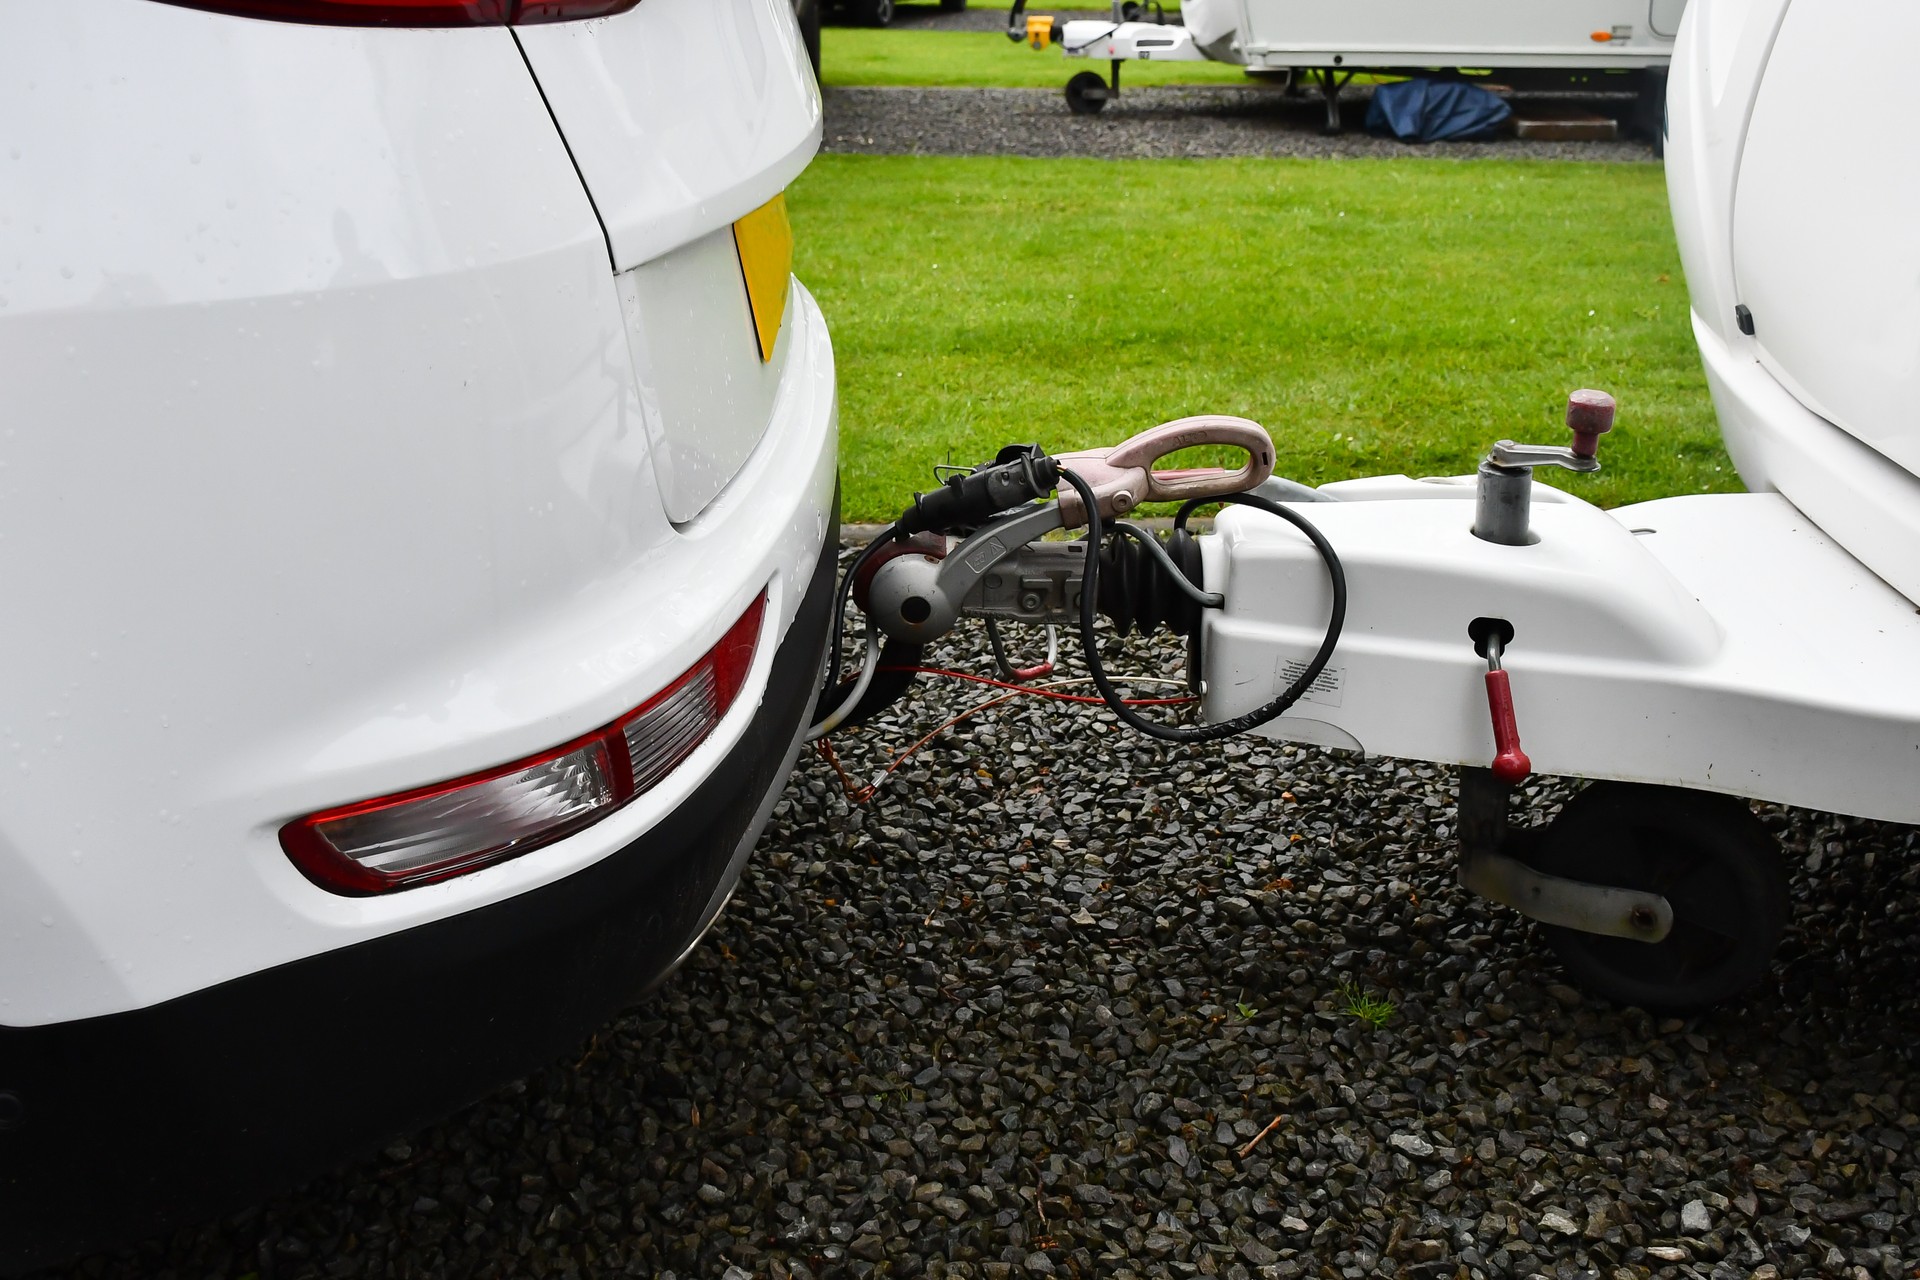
{"points": [[1224, 120], [1061, 1001]]}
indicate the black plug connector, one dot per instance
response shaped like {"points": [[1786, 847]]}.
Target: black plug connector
{"points": [[1019, 474]]}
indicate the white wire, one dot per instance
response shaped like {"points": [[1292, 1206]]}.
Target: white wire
{"points": [[1059, 684], [1004, 665], [867, 670]]}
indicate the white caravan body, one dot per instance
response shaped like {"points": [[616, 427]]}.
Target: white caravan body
{"points": [[1759, 644], [1572, 35], [1802, 263]]}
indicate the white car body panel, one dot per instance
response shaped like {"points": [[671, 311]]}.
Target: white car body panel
{"points": [[682, 114], [326, 473], [705, 393]]}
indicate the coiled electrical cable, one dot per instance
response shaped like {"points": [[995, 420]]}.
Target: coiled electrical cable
{"points": [[833, 719], [1089, 591]]}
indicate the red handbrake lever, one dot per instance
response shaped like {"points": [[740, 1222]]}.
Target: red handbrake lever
{"points": [[1510, 763]]}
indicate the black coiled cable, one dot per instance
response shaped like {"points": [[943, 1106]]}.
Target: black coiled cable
{"points": [[1089, 591]]}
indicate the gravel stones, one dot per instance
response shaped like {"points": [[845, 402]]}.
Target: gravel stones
{"points": [[1194, 121], [900, 1060], [1558, 1220], [1412, 1144]]}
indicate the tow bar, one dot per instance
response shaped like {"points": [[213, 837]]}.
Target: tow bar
{"points": [[1428, 619]]}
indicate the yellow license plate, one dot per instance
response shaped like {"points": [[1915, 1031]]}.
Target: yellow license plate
{"points": [[764, 241]]}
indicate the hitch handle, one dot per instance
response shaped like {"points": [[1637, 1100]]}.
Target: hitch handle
{"points": [[1123, 477], [1589, 416]]}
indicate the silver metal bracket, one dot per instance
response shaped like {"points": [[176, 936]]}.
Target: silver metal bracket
{"points": [[918, 598], [1487, 870], [1038, 583], [1506, 453], [1571, 904]]}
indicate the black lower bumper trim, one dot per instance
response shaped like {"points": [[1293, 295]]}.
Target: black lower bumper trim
{"points": [[127, 1125]]}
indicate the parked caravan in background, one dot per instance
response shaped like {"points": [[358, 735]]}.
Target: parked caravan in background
{"points": [[1524, 43]]}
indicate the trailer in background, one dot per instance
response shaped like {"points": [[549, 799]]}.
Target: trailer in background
{"points": [[1616, 45]]}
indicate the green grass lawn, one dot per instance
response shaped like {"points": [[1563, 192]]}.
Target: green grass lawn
{"points": [[1377, 316], [881, 56]]}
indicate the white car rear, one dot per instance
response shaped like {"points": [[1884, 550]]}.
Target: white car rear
{"points": [[417, 512]]}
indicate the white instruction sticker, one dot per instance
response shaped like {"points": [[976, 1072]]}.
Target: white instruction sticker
{"points": [[1325, 688]]}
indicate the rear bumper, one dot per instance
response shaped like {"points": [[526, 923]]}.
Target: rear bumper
{"points": [[1860, 498], [344, 476], [121, 1126]]}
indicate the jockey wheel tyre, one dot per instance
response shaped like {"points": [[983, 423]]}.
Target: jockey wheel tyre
{"points": [[1086, 93], [1712, 860]]}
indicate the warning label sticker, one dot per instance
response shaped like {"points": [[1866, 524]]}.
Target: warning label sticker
{"points": [[1325, 688]]}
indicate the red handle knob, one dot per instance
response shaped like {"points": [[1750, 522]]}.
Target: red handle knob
{"points": [[1589, 416], [1510, 763]]}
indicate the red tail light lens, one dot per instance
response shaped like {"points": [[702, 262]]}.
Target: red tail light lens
{"points": [[526, 11], [450, 828], [413, 13]]}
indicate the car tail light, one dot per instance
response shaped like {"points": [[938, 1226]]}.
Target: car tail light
{"points": [[413, 13], [450, 828]]}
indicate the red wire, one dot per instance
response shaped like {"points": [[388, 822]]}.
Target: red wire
{"points": [[867, 792], [826, 749], [1039, 693], [860, 795]]}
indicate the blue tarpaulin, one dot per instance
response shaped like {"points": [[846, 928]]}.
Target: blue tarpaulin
{"points": [[1435, 111]]}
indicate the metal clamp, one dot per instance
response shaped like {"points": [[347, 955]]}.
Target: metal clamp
{"points": [[1488, 870]]}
